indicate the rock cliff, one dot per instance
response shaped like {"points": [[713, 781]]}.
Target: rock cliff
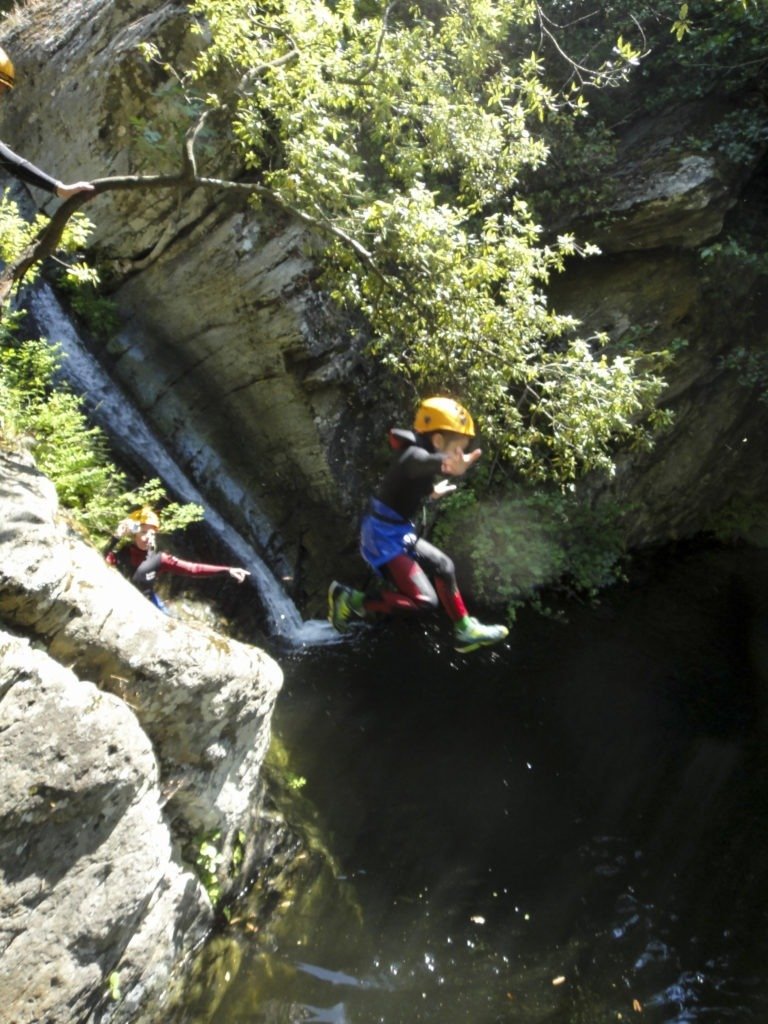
{"points": [[131, 736]]}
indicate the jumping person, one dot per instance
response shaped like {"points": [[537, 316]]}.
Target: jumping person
{"points": [[18, 166], [436, 447], [142, 564]]}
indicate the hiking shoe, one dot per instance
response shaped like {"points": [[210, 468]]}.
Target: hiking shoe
{"points": [[340, 609], [472, 634]]}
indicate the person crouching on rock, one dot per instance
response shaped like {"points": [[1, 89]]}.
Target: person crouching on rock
{"points": [[142, 564]]}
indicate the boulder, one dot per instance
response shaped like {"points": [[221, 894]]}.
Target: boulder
{"points": [[204, 700]]}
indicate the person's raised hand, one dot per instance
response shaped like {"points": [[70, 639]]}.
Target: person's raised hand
{"points": [[65, 191], [441, 488], [238, 574], [457, 462]]}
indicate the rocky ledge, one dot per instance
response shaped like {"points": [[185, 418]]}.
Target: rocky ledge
{"points": [[123, 735]]}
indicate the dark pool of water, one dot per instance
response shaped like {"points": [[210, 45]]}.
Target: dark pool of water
{"points": [[569, 828]]}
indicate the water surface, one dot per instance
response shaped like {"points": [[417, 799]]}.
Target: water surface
{"points": [[568, 828]]}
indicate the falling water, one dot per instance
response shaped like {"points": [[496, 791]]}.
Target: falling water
{"points": [[121, 420]]}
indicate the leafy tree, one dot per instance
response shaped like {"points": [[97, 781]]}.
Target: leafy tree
{"points": [[404, 137], [400, 132], [399, 135]]}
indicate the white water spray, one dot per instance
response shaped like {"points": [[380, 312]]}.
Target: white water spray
{"points": [[118, 417]]}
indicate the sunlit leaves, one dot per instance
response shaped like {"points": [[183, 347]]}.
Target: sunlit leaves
{"points": [[407, 130]]}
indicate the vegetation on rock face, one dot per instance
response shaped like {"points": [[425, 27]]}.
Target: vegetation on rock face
{"points": [[400, 133], [709, 48], [74, 454], [35, 407]]}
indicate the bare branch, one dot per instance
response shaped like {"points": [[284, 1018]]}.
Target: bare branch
{"points": [[188, 157], [320, 222], [293, 54], [48, 238], [585, 75]]}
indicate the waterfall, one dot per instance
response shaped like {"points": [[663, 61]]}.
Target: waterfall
{"points": [[122, 421]]}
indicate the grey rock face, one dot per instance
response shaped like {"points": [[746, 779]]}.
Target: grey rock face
{"points": [[193, 690], [92, 879], [90, 882]]}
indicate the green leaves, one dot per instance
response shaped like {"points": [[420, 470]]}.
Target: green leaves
{"points": [[407, 133], [72, 453], [682, 25]]}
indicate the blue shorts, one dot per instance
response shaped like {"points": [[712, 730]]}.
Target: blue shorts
{"points": [[384, 535]]}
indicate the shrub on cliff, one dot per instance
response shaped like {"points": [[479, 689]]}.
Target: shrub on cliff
{"points": [[398, 134]]}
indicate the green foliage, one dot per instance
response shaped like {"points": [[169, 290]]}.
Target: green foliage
{"points": [[685, 23], [522, 541], [15, 232], [402, 133], [238, 852], [80, 283], [751, 368], [724, 54], [46, 415], [113, 986], [742, 518], [207, 861], [74, 454], [731, 255]]}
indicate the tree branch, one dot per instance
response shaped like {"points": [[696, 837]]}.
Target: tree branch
{"points": [[48, 238]]}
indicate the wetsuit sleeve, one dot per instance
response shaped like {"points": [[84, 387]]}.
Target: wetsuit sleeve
{"points": [[178, 567], [420, 463], [26, 171]]}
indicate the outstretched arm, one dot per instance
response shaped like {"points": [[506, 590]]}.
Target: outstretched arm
{"points": [[180, 567], [31, 175]]}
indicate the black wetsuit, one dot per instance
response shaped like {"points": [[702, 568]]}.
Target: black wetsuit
{"points": [[411, 478], [143, 567], [25, 171]]}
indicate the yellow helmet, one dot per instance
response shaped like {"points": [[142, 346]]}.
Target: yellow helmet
{"points": [[146, 516], [443, 414], [7, 70]]}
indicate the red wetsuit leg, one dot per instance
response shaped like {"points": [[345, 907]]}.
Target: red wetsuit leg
{"points": [[414, 591]]}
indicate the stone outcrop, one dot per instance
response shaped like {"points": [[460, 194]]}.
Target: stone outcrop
{"points": [[101, 787], [708, 471], [204, 700], [91, 886]]}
